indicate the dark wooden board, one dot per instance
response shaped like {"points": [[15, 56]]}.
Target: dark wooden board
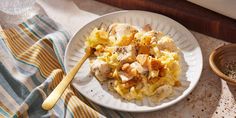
{"points": [[188, 14]]}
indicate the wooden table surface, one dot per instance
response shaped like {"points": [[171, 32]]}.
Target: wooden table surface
{"points": [[212, 97]]}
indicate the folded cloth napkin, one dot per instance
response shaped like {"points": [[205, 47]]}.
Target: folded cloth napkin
{"points": [[31, 66]]}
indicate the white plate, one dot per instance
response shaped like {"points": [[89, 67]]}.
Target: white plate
{"points": [[87, 85]]}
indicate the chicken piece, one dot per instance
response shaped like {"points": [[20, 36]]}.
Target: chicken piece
{"points": [[163, 92], [142, 59], [166, 43], [121, 34], [125, 53], [125, 77], [132, 71], [138, 67], [100, 69]]}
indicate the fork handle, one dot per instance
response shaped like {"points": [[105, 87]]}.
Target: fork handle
{"points": [[52, 99]]}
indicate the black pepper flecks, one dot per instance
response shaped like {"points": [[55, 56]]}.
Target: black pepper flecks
{"points": [[188, 99], [230, 69]]}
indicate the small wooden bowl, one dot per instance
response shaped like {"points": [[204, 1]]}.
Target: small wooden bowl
{"points": [[220, 57]]}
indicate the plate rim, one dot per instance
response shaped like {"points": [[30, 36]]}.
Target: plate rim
{"points": [[149, 109]]}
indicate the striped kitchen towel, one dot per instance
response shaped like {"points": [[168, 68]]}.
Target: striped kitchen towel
{"points": [[31, 65]]}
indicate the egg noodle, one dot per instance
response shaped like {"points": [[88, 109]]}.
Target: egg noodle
{"points": [[135, 62]]}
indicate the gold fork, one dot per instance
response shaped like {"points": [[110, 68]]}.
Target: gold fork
{"points": [[52, 99]]}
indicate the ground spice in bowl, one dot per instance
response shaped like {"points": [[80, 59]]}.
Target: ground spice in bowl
{"points": [[222, 61], [230, 69]]}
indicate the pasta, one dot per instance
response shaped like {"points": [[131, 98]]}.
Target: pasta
{"points": [[136, 62]]}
